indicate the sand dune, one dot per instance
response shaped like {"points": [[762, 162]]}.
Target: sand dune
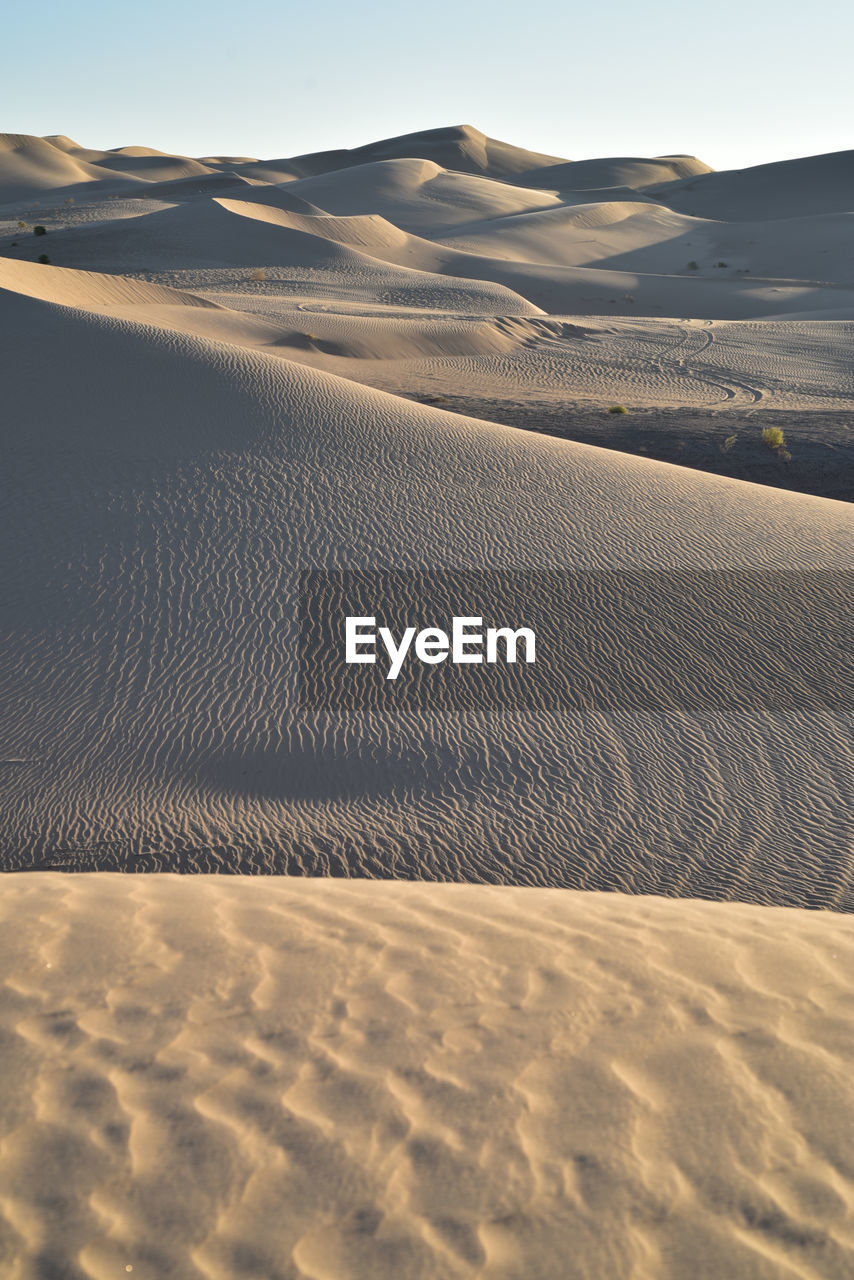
{"points": [[617, 172], [785, 189], [323, 1099], [152, 166], [206, 185], [89, 290], [205, 399], [224, 234], [461, 148], [152, 710], [508, 257], [750, 365], [781, 366], [245, 398], [650, 238], [63, 143], [209, 429], [276, 197], [385, 340], [419, 195], [659, 237], [31, 166]]}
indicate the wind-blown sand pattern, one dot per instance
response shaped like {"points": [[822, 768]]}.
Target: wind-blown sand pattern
{"points": [[164, 489], [277, 1079], [232, 371]]}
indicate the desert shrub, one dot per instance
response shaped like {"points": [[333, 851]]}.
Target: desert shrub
{"points": [[70, 200], [618, 408], [728, 443], [22, 226], [784, 455], [721, 264], [43, 258], [773, 438], [693, 266], [39, 231], [259, 274]]}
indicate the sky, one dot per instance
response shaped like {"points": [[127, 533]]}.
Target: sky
{"points": [[736, 82]]}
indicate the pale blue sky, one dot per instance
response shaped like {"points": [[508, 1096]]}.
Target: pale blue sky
{"points": [[734, 81]]}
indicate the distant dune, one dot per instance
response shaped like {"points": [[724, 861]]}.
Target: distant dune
{"points": [[785, 189]]}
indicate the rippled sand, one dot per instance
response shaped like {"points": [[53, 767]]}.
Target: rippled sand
{"points": [[284, 1078]]}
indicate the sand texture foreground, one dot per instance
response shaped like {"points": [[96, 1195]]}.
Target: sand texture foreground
{"points": [[208, 1079]]}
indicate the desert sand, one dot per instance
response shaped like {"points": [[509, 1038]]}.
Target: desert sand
{"points": [[244, 1077], [614, 1042]]}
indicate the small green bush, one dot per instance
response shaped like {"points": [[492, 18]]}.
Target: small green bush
{"points": [[43, 258], [39, 231], [721, 264], [618, 408], [773, 438], [728, 443], [693, 266]]}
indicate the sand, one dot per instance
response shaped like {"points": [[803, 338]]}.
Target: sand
{"points": [[237, 1077], [152, 714], [514, 986]]}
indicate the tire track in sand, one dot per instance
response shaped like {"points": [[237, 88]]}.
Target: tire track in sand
{"points": [[691, 343]]}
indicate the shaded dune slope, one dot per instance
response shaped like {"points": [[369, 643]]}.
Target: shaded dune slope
{"points": [[633, 172], [420, 195], [459, 147], [152, 716], [784, 189]]}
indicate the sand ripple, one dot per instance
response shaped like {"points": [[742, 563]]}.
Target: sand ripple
{"points": [[280, 1079]]}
